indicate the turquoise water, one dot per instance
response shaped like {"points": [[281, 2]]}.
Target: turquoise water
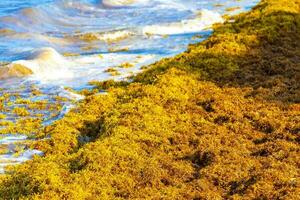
{"points": [[67, 43]]}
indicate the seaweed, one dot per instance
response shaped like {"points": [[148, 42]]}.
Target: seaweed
{"points": [[220, 121]]}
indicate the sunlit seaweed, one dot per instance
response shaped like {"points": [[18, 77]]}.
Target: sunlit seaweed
{"points": [[220, 121], [126, 65], [112, 71], [69, 54], [231, 9]]}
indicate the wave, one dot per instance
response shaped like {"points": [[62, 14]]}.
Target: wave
{"points": [[205, 19], [47, 64], [112, 36], [121, 3]]}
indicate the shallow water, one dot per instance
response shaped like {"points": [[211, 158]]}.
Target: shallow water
{"points": [[67, 43]]}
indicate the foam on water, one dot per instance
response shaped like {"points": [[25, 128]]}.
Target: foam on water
{"points": [[67, 43], [121, 3], [47, 64], [112, 36], [12, 157], [205, 20]]}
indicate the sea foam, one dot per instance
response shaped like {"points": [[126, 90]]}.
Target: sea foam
{"points": [[46, 63], [204, 20], [120, 3]]}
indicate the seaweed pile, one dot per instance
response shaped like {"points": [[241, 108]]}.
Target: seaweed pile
{"points": [[220, 121]]}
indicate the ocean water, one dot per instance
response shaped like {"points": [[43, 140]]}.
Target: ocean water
{"points": [[67, 43]]}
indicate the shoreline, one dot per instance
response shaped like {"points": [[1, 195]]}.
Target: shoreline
{"points": [[188, 127], [45, 56]]}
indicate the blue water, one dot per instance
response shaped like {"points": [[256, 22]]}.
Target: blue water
{"points": [[10, 6], [42, 34], [36, 20]]}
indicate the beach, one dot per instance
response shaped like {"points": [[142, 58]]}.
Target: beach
{"points": [[216, 119]]}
